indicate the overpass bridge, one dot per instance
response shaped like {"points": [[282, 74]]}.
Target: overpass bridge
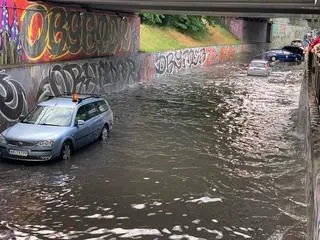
{"points": [[267, 8]]}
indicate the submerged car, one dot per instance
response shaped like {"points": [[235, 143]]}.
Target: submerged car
{"points": [[57, 127], [282, 55], [259, 68]]}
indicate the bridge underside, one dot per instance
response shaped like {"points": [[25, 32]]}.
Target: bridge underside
{"points": [[268, 8]]}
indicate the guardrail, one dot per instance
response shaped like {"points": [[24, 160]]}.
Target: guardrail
{"points": [[312, 144], [314, 74]]}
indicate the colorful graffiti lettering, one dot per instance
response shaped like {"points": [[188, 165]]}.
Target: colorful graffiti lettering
{"points": [[10, 43], [147, 70], [55, 33], [283, 28], [227, 54], [213, 56], [32, 32]]}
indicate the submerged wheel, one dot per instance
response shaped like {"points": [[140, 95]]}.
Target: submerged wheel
{"points": [[104, 133], [65, 153], [273, 58]]}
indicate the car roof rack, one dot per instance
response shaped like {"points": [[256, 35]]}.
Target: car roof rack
{"points": [[80, 98], [79, 94]]}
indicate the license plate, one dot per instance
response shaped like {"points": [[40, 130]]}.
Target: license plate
{"points": [[19, 153]]}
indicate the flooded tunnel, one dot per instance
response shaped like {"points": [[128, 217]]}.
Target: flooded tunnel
{"points": [[209, 154]]}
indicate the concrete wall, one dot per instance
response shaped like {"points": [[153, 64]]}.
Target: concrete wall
{"points": [[251, 30], [247, 30], [285, 30], [312, 146], [33, 32], [176, 61], [22, 87]]}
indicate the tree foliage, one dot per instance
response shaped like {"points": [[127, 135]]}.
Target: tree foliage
{"points": [[151, 19], [195, 26]]}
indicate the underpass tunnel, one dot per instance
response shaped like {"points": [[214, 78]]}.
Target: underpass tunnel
{"points": [[197, 139]]}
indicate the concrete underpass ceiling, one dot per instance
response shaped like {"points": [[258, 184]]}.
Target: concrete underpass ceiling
{"points": [[241, 8]]}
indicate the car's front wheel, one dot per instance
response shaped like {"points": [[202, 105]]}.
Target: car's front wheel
{"points": [[273, 59], [66, 151], [104, 133]]}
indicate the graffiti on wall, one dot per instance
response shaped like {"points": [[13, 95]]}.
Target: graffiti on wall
{"points": [[32, 32], [227, 53], [13, 101], [55, 33], [172, 62], [236, 27], [21, 88], [94, 76], [284, 33], [10, 43], [87, 77], [147, 69]]}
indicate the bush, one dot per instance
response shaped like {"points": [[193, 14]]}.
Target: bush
{"points": [[196, 26]]}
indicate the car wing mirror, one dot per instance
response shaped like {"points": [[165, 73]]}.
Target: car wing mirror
{"points": [[80, 122]]}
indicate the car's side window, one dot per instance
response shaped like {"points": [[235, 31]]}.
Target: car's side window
{"points": [[82, 113], [92, 110], [102, 106]]}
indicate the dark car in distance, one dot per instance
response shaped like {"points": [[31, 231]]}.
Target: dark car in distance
{"points": [[282, 56]]}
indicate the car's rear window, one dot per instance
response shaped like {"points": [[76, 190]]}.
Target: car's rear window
{"points": [[258, 64], [296, 43], [50, 115]]}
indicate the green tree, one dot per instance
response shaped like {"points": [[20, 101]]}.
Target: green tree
{"points": [[151, 19], [196, 26]]}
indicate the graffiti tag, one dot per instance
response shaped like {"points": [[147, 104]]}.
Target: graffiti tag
{"points": [[175, 61], [12, 98], [87, 77]]}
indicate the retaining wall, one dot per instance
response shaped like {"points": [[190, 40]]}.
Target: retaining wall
{"points": [[253, 30], [21, 87], [313, 149], [284, 30]]}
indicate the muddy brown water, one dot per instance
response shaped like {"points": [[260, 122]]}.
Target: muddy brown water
{"points": [[212, 154]]}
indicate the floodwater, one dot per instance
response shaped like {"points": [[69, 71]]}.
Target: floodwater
{"points": [[212, 154]]}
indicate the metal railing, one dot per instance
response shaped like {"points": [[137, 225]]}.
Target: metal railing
{"points": [[314, 74]]}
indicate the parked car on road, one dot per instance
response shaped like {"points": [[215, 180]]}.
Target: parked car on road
{"points": [[259, 68], [57, 127], [282, 55]]}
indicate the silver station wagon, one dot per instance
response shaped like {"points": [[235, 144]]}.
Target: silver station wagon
{"points": [[57, 127]]}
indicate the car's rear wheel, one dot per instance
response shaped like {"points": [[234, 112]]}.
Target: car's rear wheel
{"points": [[66, 151], [104, 133], [273, 59]]}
